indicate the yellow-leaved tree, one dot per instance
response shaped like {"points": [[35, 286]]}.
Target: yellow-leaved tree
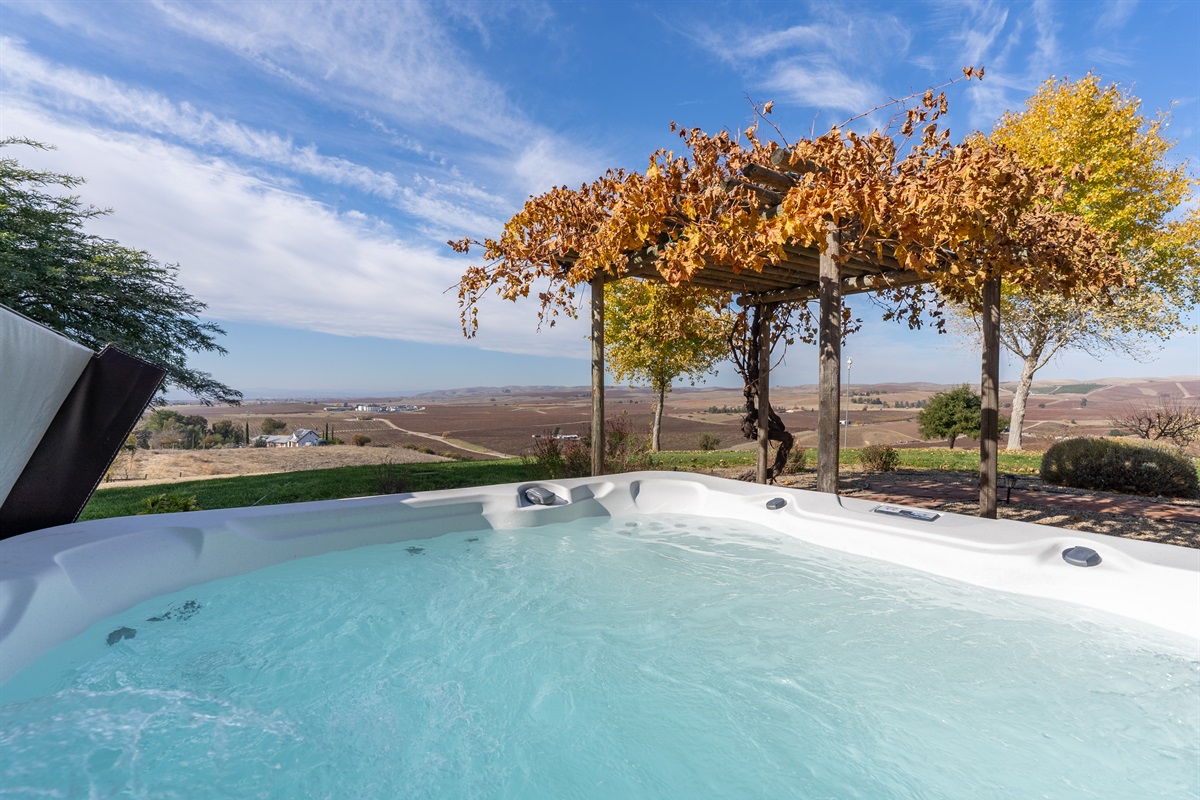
{"points": [[1129, 189], [656, 334]]}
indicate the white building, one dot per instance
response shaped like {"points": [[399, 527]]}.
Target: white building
{"points": [[301, 437]]}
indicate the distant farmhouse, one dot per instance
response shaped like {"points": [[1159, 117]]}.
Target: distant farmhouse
{"points": [[301, 437], [374, 407]]}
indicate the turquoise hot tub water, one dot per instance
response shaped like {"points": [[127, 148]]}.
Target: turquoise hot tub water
{"points": [[634, 656]]}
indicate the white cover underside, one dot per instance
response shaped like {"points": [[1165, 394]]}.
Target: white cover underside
{"points": [[38, 368]]}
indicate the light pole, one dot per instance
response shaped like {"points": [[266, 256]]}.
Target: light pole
{"points": [[846, 421]]}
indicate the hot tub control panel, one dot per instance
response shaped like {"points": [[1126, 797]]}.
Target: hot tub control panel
{"points": [[908, 513]]}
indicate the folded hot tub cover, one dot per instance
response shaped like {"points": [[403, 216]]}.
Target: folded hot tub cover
{"points": [[65, 412]]}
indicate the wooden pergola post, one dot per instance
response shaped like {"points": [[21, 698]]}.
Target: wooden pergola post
{"points": [[830, 365], [763, 314], [598, 374], [989, 391]]}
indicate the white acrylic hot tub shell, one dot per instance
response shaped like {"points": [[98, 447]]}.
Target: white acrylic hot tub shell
{"points": [[57, 582]]}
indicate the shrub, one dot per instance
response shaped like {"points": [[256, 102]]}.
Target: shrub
{"points": [[879, 457], [624, 451], [359, 440], [577, 459], [709, 442], [797, 461], [558, 458], [1119, 467], [390, 478], [169, 504], [547, 454]]}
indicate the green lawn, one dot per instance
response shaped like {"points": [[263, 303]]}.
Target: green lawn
{"points": [[316, 484], [330, 484]]}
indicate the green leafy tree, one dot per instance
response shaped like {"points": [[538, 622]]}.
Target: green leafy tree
{"points": [[227, 431], [951, 414], [91, 289], [656, 334], [271, 426], [1131, 191], [162, 418], [168, 428]]}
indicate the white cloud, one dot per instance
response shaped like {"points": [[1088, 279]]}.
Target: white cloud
{"points": [[980, 31], [32, 79], [545, 163], [1046, 51], [1115, 14], [74, 92], [253, 252], [823, 86], [399, 60], [827, 64]]}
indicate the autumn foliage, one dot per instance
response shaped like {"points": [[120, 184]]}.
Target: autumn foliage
{"points": [[955, 213]]}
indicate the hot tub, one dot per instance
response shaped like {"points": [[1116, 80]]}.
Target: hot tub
{"points": [[120, 588]]}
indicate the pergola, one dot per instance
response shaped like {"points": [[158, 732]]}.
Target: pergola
{"points": [[807, 273]]}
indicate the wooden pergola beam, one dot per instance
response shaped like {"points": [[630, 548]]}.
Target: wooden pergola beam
{"points": [[852, 285], [770, 177]]}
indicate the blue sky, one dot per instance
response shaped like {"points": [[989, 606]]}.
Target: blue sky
{"points": [[304, 164]]}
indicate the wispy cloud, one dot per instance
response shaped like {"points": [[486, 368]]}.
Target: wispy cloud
{"points": [[979, 32], [267, 255], [823, 86], [399, 60], [31, 79], [1114, 14], [1046, 50], [831, 64]]}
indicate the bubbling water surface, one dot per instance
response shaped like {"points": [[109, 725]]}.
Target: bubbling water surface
{"points": [[672, 657]]}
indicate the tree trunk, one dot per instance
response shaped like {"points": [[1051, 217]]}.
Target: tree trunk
{"points": [[598, 374], [656, 431], [776, 430], [953, 436], [1021, 398], [989, 396]]}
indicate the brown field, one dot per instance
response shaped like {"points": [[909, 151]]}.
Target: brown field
{"points": [[165, 466], [485, 423]]}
